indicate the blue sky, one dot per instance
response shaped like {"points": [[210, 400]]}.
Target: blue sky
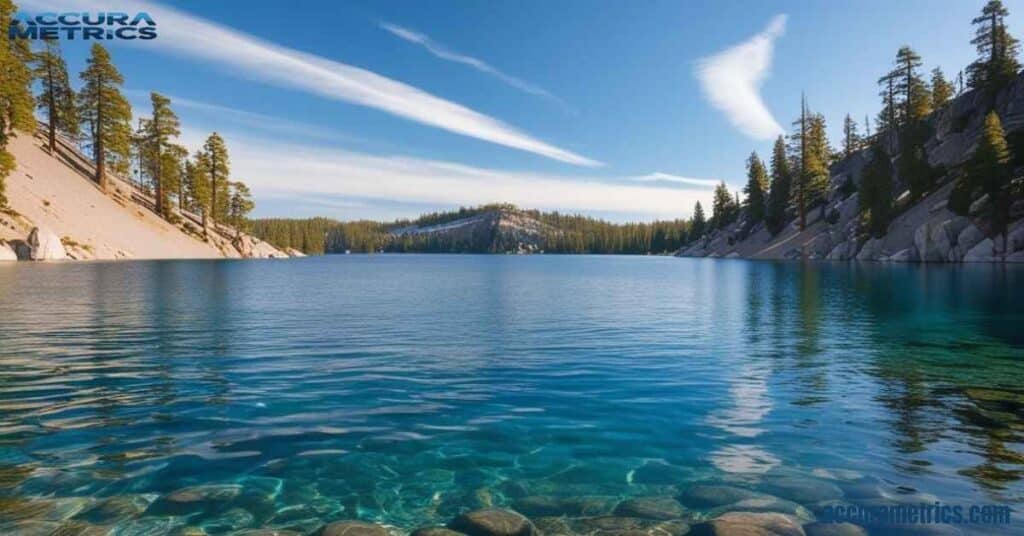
{"points": [[376, 109]]}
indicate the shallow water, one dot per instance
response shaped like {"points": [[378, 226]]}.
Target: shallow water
{"points": [[407, 389]]}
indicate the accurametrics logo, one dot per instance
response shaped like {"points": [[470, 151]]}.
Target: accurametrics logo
{"points": [[83, 25]]}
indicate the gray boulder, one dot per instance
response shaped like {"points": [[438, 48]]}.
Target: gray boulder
{"points": [[45, 245], [493, 522], [983, 251]]}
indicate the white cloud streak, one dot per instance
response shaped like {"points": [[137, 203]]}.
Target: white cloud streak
{"points": [[732, 80], [445, 53], [659, 177], [281, 171], [256, 59]]}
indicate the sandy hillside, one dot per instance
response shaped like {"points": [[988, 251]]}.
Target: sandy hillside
{"points": [[49, 193]]}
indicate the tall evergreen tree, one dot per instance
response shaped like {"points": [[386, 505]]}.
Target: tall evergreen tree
{"points": [[876, 192], [909, 85], [851, 138], [756, 189], [723, 208], [989, 171], [942, 90], [160, 162], [197, 186], [778, 193], [106, 112], [219, 172], [57, 100], [698, 222], [240, 205], [16, 104], [813, 157], [997, 63]]}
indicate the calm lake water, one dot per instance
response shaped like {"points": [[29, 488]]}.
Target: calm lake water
{"points": [[146, 397]]}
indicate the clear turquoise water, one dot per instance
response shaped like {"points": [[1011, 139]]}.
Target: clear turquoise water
{"points": [[405, 389]]}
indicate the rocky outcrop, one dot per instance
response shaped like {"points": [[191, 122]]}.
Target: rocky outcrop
{"points": [[45, 245], [250, 247], [923, 230]]}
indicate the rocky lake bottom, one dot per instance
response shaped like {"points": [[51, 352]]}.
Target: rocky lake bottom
{"points": [[505, 396]]}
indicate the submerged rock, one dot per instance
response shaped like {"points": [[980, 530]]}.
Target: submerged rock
{"points": [[834, 529], [352, 528], [767, 504], [629, 526], [493, 522], [659, 473], [117, 508], [552, 526], [750, 524], [545, 505], [435, 531], [660, 507], [712, 495], [803, 489]]}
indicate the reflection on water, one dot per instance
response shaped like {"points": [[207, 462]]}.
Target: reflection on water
{"points": [[152, 396]]}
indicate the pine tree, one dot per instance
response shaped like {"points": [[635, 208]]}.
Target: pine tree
{"points": [[756, 189], [107, 113], [57, 100], [851, 138], [723, 207], [197, 186], [910, 85], [989, 171], [876, 191], [813, 157], [997, 63], [159, 161], [698, 222], [16, 104], [240, 206], [888, 118], [218, 169], [778, 194], [942, 90]]}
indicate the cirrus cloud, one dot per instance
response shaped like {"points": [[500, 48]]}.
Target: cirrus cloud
{"points": [[732, 80]]}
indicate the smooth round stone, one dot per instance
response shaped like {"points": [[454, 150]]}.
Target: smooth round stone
{"points": [[765, 504], [269, 532], [835, 529], [232, 520], [660, 507], [512, 489], [493, 522], [215, 493], [749, 524], [803, 489], [712, 495], [435, 531], [352, 528], [546, 505]]}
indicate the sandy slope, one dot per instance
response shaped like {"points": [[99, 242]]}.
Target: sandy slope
{"points": [[50, 194]]}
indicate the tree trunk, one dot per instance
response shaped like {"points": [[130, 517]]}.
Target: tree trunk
{"points": [[51, 102], [101, 157]]}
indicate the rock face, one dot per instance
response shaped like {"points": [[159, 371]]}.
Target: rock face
{"points": [[923, 230], [45, 246], [492, 522]]}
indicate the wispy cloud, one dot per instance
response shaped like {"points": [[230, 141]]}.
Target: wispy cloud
{"points": [[445, 53], [732, 80], [287, 170], [248, 56], [667, 178]]}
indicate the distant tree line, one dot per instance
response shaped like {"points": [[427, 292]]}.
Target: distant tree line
{"points": [[99, 118]]}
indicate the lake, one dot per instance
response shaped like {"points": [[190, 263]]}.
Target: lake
{"points": [[150, 397]]}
